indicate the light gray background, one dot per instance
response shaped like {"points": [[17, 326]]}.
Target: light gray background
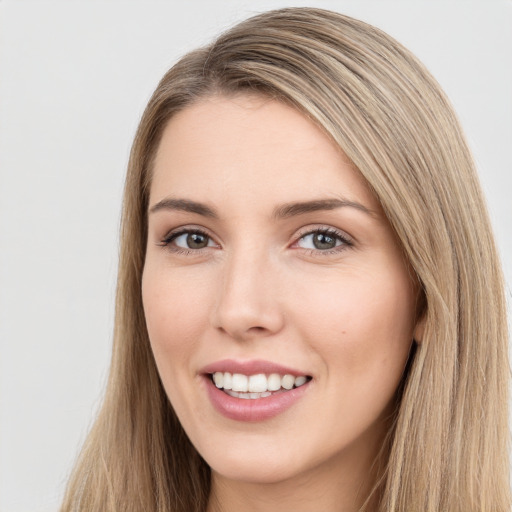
{"points": [[74, 79]]}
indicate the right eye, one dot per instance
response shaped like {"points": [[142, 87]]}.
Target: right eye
{"points": [[188, 240], [193, 240]]}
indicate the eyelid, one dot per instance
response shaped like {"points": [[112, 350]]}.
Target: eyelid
{"points": [[174, 233], [323, 228], [346, 239]]}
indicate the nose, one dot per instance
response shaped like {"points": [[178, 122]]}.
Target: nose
{"points": [[248, 305]]}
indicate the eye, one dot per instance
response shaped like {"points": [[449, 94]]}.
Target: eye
{"points": [[192, 240], [323, 240], [187, 240]]}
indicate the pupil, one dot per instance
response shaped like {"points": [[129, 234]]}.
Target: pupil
{"points": [[323, 241], [197, 241]]}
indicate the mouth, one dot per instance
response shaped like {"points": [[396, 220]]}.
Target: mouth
{"points": [[256, 386], [255, 390]]}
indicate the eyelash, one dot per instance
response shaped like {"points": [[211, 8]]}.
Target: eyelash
{"points": [[170, 237], [346, 242]]}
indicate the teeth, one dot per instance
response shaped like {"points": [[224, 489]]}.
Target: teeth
{"points": [[298, 381], [239, 383], [274, 382], [255, 386], [218, 378], [258, 383], [228, 381], [288, 381], [248, 395]]}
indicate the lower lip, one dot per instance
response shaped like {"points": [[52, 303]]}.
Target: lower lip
{"points": [[254, 409]]}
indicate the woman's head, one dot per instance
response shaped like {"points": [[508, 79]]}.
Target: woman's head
{"points": [[267, 254], [372, 100]]}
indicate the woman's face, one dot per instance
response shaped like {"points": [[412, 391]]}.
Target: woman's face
{"points": [[270, 265]]}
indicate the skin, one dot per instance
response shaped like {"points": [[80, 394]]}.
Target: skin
{"points": [[261, 289]]}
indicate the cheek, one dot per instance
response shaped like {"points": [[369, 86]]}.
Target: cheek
{"points": [[362, 325], [176, 310]]}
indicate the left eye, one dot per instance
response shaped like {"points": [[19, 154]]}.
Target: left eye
{"points": [[321, 240]]}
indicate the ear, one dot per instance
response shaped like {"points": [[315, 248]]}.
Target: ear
{"points": [[419, 329]]}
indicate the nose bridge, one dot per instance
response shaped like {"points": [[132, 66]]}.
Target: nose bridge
{"points": [[248, 302]]}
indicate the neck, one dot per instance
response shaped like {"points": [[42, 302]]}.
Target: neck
{"points": [[293, 496]]}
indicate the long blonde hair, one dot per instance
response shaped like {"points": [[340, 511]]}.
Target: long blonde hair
{"points": [[449, 444]]}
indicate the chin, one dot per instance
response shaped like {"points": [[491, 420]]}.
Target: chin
{"points": [[262, 473], [256, 466]]}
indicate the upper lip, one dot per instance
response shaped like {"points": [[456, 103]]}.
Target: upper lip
{"points": [[251, 367]]}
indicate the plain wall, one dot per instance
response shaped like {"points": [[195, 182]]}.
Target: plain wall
{"points": [[74, 79]]}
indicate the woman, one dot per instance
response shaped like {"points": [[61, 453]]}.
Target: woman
{"points": [[310, 311]]}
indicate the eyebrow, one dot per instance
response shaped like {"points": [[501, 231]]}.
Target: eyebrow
{"points": [[284, 211], [292, 209], [184, 205]]}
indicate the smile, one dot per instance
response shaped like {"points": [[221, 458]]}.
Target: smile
{"points": [[256, 386], [255, 390]]}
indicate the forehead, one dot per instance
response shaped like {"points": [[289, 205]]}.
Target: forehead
{"points": [[252, 148]]}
